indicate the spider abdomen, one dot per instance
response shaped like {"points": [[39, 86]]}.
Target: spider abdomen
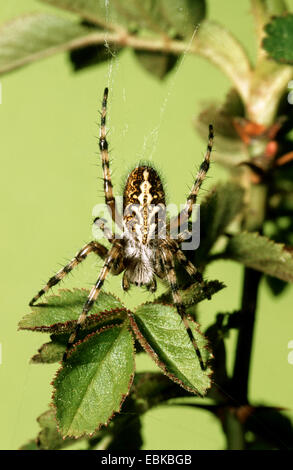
{"points": [[143, 185], [143, 204]]}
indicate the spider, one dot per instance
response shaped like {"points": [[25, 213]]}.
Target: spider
{"points": [[145, 250]]}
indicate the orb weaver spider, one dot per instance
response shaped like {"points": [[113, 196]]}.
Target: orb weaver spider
{"points": [[145, 250]]}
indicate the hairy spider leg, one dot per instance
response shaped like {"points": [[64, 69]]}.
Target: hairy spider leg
{"points": [[113, 254], [94, 246], [103, 144], [102, 225], [182, 259], [171, 277], [185, 214]]}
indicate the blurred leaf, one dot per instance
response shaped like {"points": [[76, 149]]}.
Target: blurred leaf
{"points": [[49, 353], [89, 56], [261, 253], [94, 11], [222, 205], [31, 445], [126, 429], [158, 64], [34, 36], [269, 82], [221, 48], [279, 39], [94, 381], [151, 388], [275, 7], [53, 351], [49, 438], [162, 334], [60, 312], [230, 150], [160, 15], [270, 429], [218, 363], [276, 286], [183, 16]]}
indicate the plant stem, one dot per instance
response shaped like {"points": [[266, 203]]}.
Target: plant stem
{"points": [[234, 431], [226, 53], [255, 217], [245, 336]]}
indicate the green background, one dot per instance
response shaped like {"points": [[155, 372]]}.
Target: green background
{"points": [[50, 182]]}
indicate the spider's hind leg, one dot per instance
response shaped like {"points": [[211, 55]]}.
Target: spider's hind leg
{"points": [[169, 267], [182, 259], [125, 282], [152, 286]]}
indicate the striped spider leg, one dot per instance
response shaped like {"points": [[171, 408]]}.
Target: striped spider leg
{"points": [[186, 213], [104, 149], [93, 246], [169, 266]]}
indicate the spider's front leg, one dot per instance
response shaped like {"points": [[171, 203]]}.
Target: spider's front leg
{"points": [[104, 146], [185, 214], [93, 246], [112, 257], [167, 259]]}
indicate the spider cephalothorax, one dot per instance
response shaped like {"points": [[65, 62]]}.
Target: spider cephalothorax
{"points": [[145, 249]]}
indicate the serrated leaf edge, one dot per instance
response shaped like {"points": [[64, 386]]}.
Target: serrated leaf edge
{"points": [[149, 350], [52, 404]]}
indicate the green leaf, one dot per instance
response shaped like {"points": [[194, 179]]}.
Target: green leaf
{"points": [[35, 36], [158, 64], [151, 388], [49, 353], [279, 39], [60, 312], [94, 11], [31, 445], [89, 56], [162, 334], [261, 253], [184, 16], [220, 47], [276, 7], [158, 16], [230, 150], [223, 204], [94, 381], [194, 293]]}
